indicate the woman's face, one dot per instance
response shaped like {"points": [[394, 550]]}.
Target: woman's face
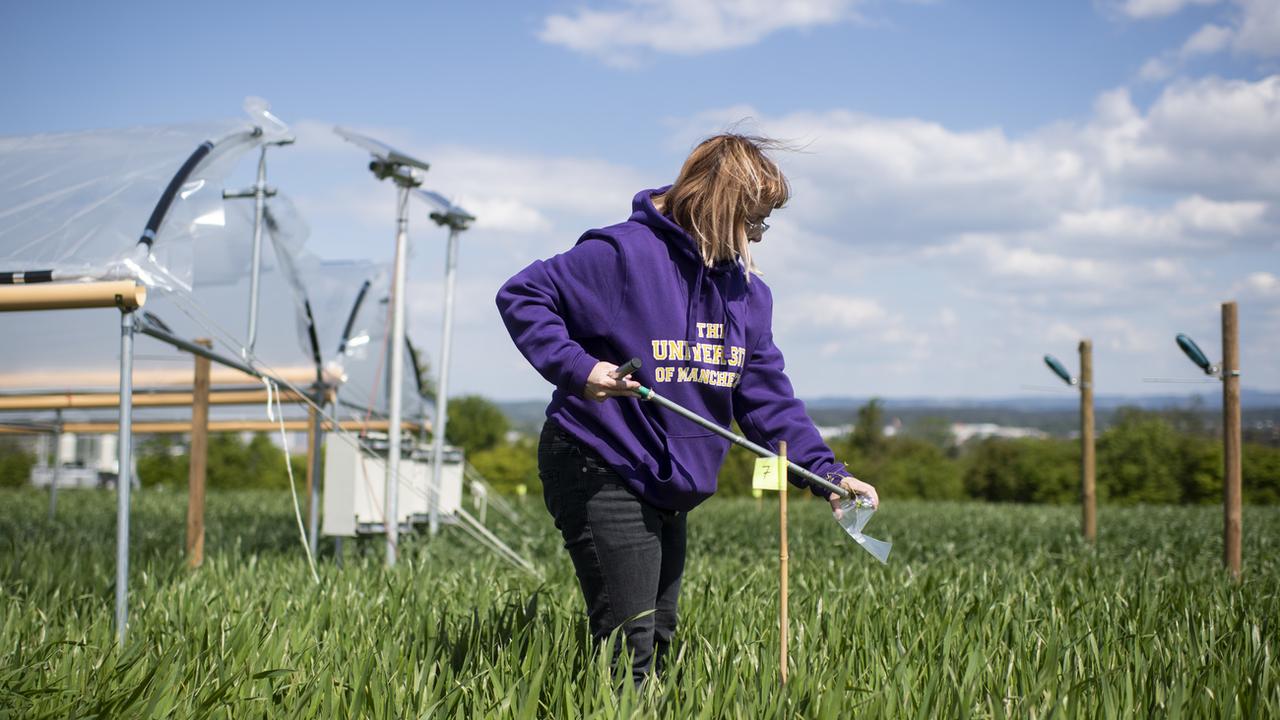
{"points": [[756, 225]]}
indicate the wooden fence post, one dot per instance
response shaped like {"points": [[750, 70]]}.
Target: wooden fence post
{"points": [[1231, 438], [199, 457], [1088, 490]]}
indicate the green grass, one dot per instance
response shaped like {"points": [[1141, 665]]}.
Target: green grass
{"points": [[983, 611]]}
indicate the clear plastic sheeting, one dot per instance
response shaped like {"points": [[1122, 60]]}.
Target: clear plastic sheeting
{"points": [[287, 233], [853, 515], [362, 356], [77, 204]]}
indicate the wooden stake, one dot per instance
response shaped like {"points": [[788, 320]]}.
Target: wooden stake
{"points": [[199, 458], [312, 419], [1231, 438], [782, 557], [1088, 492]]}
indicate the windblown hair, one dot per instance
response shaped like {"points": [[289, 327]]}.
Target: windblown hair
{"points": [[726, 181]]}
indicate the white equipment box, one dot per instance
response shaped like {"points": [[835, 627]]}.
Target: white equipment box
{"points": [[355, 486]]}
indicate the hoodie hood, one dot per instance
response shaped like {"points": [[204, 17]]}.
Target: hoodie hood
{"points": [[682, 245], [676, 237]]}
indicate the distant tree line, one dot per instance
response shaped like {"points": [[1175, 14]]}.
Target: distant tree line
{"points": [[15, 463], [1142, 457], [163, 462]]}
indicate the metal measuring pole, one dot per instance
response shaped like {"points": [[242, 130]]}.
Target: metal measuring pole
{"points": [[442, 391], [648, 394], [391, 517], [123, 474]]}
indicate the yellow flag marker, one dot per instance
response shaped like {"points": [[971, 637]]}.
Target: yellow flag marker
{"points": [[768, 474]]}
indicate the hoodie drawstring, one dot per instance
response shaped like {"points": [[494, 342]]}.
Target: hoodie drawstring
{"points": [[695, 298]]}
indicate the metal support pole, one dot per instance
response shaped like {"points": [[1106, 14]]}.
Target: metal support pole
{"points": [[317, 472], [442, 389], [1088, 491], [391, 517], [255, 269], [124, 474], [1231, 492], [57, 466]]}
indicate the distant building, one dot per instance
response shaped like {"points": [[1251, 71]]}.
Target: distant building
{"points": [[84, 461], [829, 432], [834, 431], [964, 432]]}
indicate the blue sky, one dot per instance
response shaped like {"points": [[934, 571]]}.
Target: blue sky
{"points": [[983, 182]]}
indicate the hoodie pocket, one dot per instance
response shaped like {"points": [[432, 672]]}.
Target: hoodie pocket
{"points": [[695, 463]]}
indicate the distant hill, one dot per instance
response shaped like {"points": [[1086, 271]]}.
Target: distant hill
{"points": [[525, 415], [1067, 399], [1059, 414]]}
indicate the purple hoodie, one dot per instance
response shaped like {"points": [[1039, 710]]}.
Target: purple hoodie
{"points": [[640, 289]]}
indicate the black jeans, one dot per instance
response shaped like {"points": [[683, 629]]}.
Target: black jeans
{"points": [[627, 553]]}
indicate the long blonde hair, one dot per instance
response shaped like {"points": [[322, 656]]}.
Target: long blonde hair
{"points": [[725, 181]]}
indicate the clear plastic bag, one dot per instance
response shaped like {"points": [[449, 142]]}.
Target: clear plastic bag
{"points": [[853, 515]]}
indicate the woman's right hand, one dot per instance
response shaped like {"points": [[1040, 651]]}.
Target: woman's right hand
{"points": [[602, 383]]}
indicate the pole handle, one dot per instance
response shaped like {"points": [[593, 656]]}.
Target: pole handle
{"points": [[627, 368]]}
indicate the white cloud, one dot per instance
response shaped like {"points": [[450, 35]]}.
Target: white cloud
{"points": [[1259, 285], [1204, 159], [685, 27], [1252, 27], [888, 181], [999, 258], [1207, 40], [1060, 332], [1224, 218], [1193, 221], [1258, 31], [524, 183], [841, 311], [505, 214], [1208, 133], [1156, 69], [1146, 9]]}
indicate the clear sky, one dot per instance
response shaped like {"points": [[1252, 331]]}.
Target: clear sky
{"points": [[980, 182]]}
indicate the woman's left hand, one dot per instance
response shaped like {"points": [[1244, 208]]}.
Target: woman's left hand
{"points": [[857, 487]]}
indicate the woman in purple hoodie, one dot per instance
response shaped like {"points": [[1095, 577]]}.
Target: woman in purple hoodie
{"points": [[674, 285]]}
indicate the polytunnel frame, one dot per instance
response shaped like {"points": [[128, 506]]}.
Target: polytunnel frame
{"points": [[52, 289], [27, 290], [38, 290]]}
